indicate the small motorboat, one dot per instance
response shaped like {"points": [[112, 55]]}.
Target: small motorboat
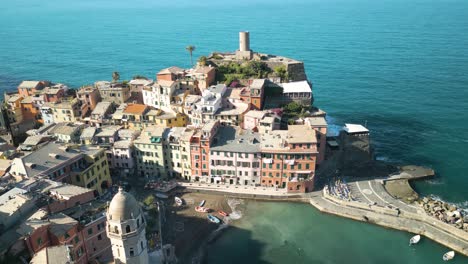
{"points": [[202, 209], [222, 213], [202, 203], [448, 256], [213, 219], [414, 240], [178, 201]]}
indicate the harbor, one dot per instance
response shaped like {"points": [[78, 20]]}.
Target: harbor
{"points": [[361, 200]]}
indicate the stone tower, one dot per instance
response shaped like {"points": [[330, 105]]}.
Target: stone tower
{"points": [[244, 52], [126, 229]]}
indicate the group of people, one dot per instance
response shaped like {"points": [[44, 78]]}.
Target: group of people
{"points": [[340, 189]]}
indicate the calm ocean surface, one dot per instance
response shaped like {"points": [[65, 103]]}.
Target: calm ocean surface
{"points": [[399, 65]]}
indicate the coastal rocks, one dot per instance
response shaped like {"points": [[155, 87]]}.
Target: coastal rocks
{"points": [[445, 212]]}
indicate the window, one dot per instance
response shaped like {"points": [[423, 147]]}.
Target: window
{"points": [[99, 237], [90, 231], [299, 166], [307, 166], [277, 166], [67, 235], [39, 241], [264, 165], [116, 229], [138, 223], [77, 239]]}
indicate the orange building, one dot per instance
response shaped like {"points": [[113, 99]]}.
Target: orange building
{"points": [[30, 111], [289, 158], [28, 88], [254, 94], [200, 150]]}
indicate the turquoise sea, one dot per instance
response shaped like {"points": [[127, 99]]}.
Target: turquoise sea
{"points": [[398, 65]]}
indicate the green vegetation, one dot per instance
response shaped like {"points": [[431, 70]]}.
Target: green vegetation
{"points": [[202, 61], [216, 56], [149, 200], [293, 111], [235, 71], [139, 77], [190, 49], [282, 73]]}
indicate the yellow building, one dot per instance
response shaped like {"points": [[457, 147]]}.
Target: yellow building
{"points": [[165, 119], [149, 150], [133, 116], [93, 171], [68, 110], [15, 113]]}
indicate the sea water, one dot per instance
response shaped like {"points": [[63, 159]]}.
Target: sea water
{"points": [[398, 66]]}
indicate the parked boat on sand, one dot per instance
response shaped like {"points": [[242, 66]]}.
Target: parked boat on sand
{"points": [[213, 219], [178, 201], [222, 213], [202, 203], [202, 209]]}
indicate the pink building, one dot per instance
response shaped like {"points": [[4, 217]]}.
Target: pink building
{"points": [[200, 144], [252, 119]]}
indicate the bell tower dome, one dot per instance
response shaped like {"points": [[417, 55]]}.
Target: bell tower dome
{"points": [[126, 229]]}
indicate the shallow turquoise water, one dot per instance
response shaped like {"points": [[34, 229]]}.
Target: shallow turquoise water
{"points": [[276, 233], [399, 65]]}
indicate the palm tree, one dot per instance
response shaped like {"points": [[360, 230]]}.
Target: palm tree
{"points": [[190, 49], [115, 76]]}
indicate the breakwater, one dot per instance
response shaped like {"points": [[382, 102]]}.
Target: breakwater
{"points": [[416, 223]]}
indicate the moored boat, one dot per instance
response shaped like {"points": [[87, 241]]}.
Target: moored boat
{"points": [[202, 209], [222, 213], [213, 219], [448, 256], [202, 203], [178, 201], [414, 240]]}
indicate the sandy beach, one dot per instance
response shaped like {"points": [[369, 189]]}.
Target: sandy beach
{"points": [[189, 230]]}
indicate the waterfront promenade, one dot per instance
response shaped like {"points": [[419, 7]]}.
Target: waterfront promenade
{"points": [[372, 204]]}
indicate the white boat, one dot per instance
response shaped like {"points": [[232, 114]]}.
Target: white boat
{"points": [[202, 203], [414, 240], [178, 201], [448, 256]]}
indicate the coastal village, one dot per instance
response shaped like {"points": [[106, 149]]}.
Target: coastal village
{"points": [[125, 171]]}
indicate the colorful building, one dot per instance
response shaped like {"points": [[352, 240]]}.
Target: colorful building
{"points": [[149, 153], [235, 157], [200, 151], [289, 158]]}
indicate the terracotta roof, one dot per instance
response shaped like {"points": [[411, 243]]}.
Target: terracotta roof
{"points": [[135, 109]]}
